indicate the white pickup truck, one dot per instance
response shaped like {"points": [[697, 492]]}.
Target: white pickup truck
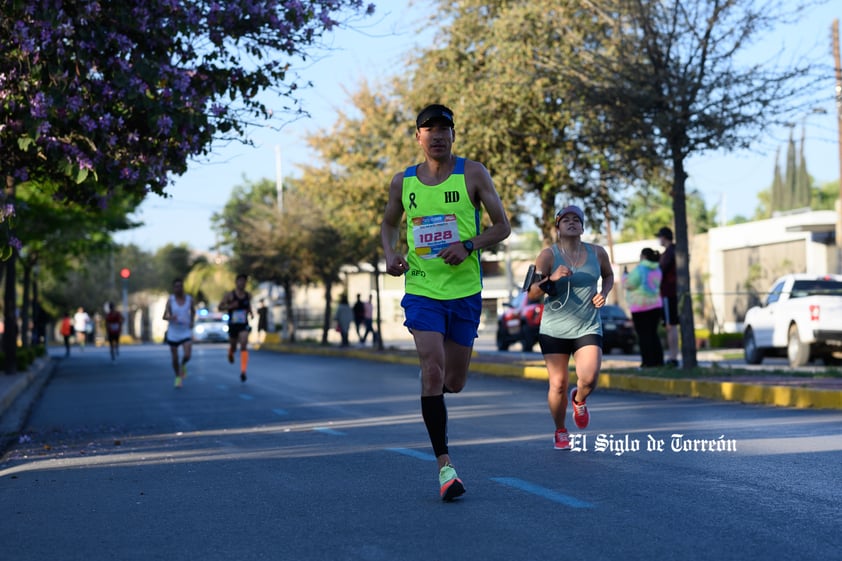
{"points": [[800, 319]]}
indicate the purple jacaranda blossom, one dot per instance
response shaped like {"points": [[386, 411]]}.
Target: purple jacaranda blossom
{"points": [[83, 162], [88, 123], [134, 103], [38, 106], [75, 103], [164, 124]]}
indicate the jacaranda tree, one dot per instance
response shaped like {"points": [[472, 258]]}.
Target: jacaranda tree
{"points": [[99, 98]]}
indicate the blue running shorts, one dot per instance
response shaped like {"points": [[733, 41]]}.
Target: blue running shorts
{"points": [[457, 320]]}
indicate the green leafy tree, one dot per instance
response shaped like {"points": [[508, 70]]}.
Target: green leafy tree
{"points": [[670, 71], [495, 63], [54, 233], [803, 181], [790, 176], [330, 247], [269, 242], [777, 200], [356, 160], [171, 262], [647, 210], [208, 282], [825, 196]]}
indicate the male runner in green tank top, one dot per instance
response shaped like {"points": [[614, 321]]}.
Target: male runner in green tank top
{"points": [[442, 198]]}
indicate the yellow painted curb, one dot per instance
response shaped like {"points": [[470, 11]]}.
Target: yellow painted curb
{"points": [[782, 396]]}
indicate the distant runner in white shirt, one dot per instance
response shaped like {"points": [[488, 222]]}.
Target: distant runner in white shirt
{"points": [[180, 312]]}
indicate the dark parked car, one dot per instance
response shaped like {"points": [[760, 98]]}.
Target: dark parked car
{"points": [[521, 320], [617, 330], [519, 323]]}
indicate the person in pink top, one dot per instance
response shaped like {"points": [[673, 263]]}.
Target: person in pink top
{"points": [[643, 293]]}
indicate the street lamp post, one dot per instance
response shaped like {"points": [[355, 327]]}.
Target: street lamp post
{"points": [[125, 273]]}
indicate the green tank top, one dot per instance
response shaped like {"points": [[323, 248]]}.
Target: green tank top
{"points": [[437, 216], [570, 314]]}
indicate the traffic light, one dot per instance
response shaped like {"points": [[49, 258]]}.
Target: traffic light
{"points": [[125, 273]]}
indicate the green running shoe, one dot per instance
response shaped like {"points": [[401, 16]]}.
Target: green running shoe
{"points": [[451, 485]]}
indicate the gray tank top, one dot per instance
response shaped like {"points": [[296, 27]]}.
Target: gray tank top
{"points": [[570, 314]]}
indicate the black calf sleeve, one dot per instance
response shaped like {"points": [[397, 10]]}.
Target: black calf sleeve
{"points": [[434, 413]]}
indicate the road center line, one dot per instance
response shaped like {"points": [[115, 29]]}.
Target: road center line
{"points": [[413, 453], [543, 492]]}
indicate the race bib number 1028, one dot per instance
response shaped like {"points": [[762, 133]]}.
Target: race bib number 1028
{"points": [[432, 234]]}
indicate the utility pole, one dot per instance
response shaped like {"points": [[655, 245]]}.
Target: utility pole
{"points": [[279, 178], [838, 66], [279, 188]]}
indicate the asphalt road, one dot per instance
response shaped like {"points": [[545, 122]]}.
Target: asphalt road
{"points": [[327, 458]]}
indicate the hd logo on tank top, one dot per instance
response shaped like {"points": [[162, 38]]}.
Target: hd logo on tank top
{"points": [[450, 198]]}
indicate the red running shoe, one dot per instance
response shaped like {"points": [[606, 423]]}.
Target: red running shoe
{"points": [[580, 411], [562, 440]]}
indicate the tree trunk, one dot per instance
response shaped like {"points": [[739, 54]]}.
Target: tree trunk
{"points": [[38, 317], [378, 338], [547, 218], [687, 332], [290, 324], [10, 333], [24, 309], [327, 320]]}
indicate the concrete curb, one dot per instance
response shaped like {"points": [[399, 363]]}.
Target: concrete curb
{"points": [[760, 394], [20, 382], [18, 392]]}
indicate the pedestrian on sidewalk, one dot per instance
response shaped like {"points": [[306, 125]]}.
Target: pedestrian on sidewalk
{"points": [[344, 316], [669, 293], [567, 274], [180, 312], [368, 320], [643, 295], [359, 316], [442, 198], [262, 321]]}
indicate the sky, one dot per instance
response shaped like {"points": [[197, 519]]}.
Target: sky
{"points": [[373, 51]]}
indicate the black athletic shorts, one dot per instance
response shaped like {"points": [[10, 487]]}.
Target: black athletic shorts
{"points": [[556, 346]]}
